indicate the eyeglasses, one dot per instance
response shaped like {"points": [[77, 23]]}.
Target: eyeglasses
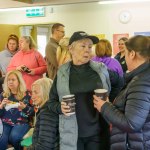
{"points": [[61, 31]]}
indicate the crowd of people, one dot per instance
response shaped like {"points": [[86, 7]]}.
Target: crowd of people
{"points": [[121, 122]]}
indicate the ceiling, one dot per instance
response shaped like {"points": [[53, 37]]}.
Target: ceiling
{"points": [[29, 3]]}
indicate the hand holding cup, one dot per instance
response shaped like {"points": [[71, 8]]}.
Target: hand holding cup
{"points": [[65, 108], [68, 105], [102, 93], [100, 98]]}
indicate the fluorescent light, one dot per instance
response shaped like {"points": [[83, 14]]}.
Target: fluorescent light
{"points": [[12, 9], [19, 8], [121, 1]]}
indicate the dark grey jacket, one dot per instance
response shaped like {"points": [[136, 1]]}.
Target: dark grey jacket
{"points": [[46, 135], [130, 114]]}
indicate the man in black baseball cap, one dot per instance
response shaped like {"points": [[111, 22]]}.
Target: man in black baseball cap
{"points": [[82, 35]]}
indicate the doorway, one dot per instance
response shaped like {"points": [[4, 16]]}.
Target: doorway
{"points": [[42, 38]]}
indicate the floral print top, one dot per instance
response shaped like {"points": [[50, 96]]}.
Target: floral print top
{"points": [[15, 115]]}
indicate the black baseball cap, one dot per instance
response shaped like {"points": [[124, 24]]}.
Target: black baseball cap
{"points": [[82, 35]]}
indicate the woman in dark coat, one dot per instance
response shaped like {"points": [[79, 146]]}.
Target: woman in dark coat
{"points": [[45, 135], [130, 113]]}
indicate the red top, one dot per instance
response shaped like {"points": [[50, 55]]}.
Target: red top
{"points": [[33, 60]]}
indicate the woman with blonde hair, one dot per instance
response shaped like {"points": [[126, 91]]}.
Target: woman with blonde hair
{"points": [[45, 135], [63, 55], [15, 110], [81, 77], [29, 61]]}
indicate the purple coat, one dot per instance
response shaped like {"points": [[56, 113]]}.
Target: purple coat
{"points": [[111, 63]]}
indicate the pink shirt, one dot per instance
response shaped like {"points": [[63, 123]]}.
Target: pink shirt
{"points": [[33, 60]]}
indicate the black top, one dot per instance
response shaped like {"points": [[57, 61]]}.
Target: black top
{"points": [[122, 62], [130, 114], [83, 81], [46, 134]]}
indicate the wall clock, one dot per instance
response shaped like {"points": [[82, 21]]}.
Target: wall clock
{"points": [[124, 16]]}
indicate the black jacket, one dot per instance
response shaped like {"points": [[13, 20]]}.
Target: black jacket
{"points": [[117, 82], [130, 114], [46, 135], [122, 62]]}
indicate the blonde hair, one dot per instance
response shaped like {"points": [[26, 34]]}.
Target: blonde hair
{"points": [[45, 86], [63, 54], [30, 40], [64, 42], [21, 88], [103, 48]]}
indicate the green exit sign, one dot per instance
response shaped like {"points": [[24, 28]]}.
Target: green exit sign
{"points": [[35, 12]]}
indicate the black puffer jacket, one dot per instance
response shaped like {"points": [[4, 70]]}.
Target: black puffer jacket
{"points": [[46, 135], [130, 114]]}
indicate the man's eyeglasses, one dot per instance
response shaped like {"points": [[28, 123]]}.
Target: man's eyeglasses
{"points": [[61, 31]]}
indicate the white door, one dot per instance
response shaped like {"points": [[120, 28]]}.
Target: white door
{"points": [[42, 38]]}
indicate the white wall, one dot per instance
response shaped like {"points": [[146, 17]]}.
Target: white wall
{"points": [[91, 17]]}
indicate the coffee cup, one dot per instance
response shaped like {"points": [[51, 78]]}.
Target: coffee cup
{"points": [[102, 93], [70, 101]]}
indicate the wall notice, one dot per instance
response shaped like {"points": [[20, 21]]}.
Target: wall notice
{"points": [[142, 33]]}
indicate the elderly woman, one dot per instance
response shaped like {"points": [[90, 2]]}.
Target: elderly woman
{"points": [[16, 109], [130, 113], [46, 134], [29, 61], [86, 129]]}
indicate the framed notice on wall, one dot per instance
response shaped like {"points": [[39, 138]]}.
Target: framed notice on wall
{"points": [[142, 33], [100, 36], [116, 37]]}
